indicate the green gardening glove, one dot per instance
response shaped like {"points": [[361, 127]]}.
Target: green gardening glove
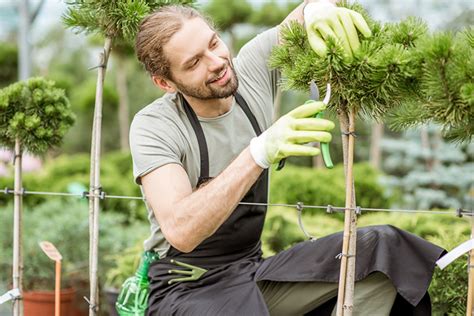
{"points": [[323, 19], [287, 135]]}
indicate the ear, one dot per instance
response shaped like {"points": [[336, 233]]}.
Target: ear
{"points": [[163, 84]]}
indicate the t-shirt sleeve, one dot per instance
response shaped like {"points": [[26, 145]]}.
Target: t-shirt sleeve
{"points": [[252, 61], [154, 142]]}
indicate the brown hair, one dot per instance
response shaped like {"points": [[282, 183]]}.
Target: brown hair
{"points": [[156, 30]]}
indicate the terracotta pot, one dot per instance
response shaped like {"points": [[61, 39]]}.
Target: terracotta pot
{"points": [[41, 303]]}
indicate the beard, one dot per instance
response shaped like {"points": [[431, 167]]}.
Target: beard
{"points": [[210, 90]]}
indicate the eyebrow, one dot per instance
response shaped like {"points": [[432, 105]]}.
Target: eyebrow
{"points": [[214, 36]]}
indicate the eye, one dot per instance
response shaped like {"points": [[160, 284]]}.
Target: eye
{"points": [[214, 43], [194, 63]]}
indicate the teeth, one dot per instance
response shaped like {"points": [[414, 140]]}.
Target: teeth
{"points": [[220, 75]]}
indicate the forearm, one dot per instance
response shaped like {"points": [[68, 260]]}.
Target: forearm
{"points": [[297, 14], [200, 214]]}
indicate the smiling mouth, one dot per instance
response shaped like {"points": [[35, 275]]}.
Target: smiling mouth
{"points": [[220, 76]]}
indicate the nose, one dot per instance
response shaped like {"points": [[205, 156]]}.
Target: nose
{"points": [[215, 62]]}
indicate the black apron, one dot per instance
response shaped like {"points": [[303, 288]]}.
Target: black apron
{"points": [[233, 258]]}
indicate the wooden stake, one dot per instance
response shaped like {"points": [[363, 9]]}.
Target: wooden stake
{"points": [[470, 290], [17, 244], [57, 289], [50, 250], [95, 189], [350, 273], [347, 272]]}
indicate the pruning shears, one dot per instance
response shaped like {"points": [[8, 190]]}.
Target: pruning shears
{"points": [[314, 96]]}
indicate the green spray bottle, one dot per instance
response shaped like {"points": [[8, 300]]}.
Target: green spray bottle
{"points": [[133, 297]]}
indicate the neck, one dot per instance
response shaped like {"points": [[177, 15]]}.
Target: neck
{"points": [[210, 108]]}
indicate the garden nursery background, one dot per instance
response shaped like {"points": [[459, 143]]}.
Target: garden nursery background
{"points": [[410, 168]]}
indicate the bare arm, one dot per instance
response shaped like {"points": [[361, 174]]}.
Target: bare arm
{"points": [[297, 13], [187, 218]]}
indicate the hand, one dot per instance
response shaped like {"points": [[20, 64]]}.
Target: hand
{"points": [[286, 136], [324, 19]]}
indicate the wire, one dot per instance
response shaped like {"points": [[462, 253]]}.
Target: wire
{"points": [[299, 206]]}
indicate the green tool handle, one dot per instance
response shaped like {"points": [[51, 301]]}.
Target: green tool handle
{"points": [[325, 149], [324, 146]]}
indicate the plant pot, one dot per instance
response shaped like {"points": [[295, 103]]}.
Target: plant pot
{"points": [[111, 295], [41, 303]]}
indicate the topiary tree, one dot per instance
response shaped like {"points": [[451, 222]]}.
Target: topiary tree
{"points": [[114, 21], [389, 71], [34, 116], [36, 112]]}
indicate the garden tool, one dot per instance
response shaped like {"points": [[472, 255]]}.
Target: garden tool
{"points": [[314, 96], [289, 134], [194, 273]]}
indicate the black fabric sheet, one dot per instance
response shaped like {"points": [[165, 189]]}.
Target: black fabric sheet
{"points": [[407, 260]]}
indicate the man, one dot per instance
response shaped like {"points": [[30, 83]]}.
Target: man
{"points": [[206, 146]]}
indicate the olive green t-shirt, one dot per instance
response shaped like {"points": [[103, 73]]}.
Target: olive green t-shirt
{"points": [[161, 133]]}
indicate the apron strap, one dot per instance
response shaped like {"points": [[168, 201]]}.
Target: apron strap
{"points": [[203, 151], [241, 101], [192, 117]]}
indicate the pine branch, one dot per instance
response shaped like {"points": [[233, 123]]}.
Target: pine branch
{"points": [[114, 19]]}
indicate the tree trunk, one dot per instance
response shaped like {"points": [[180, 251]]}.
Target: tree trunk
{"points": [[425, 144], [375, 151], [17, 244], [233, 40], [347, 274], [123, 109], [277, 105], [470, 289], [95, 188], [318, 161]]}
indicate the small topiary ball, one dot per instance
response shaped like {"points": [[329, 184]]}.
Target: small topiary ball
{"points": [[36, 112]]}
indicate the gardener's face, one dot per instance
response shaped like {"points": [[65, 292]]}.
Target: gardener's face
{"points": [[200, 62]]}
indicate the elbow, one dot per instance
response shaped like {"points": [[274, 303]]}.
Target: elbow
{"points": [[183, 247], [181, 243]]}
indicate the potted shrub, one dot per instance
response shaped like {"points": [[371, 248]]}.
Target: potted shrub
{"points": [[64, 222]]}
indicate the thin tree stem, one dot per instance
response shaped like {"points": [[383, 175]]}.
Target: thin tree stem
{"points": [[346, 277], [17, 244], [95, 189]]}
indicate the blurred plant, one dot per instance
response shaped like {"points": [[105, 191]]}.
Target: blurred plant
{"points": [[58, 174], [227, 14], [64, 223], [444, 86], [36, 113], [326, 187], [448, 290], [124, 266], [8, 64], [271, 13], [427, 172]]}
